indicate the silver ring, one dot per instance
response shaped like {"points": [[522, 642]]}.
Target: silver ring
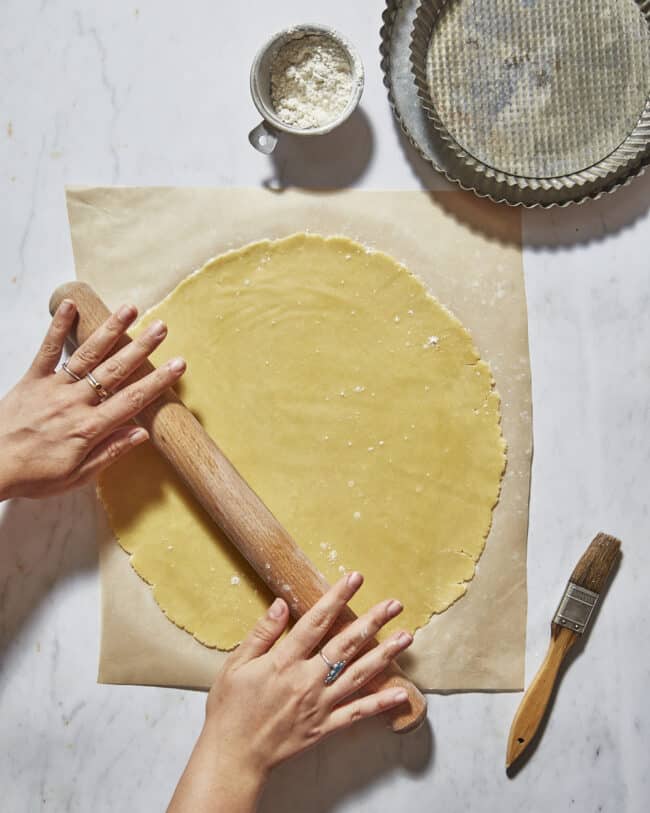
{"points": [[70, 372], [99, 389], [335, 669]]}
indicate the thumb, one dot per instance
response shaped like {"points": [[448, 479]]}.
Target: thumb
{"points": [[266, 632]]}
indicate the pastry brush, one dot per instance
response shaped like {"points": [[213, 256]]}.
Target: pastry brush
{"points": [[572, 618]]}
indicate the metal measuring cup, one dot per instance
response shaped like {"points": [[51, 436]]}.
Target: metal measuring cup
{"points": [[265, 136]]}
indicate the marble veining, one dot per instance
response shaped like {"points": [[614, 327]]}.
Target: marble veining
{"points": [[145, 93]]}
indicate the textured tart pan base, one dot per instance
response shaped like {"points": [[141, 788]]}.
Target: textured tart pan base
{"points": [[543, 94], [399, 18]]}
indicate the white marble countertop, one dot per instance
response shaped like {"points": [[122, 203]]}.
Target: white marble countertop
{"points": [[156, 92]]}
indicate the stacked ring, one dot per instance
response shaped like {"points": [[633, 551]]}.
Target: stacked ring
{"points": [[98, 388], [70, 372]]}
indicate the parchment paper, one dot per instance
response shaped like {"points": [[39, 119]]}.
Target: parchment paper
{"points": [[136, 244]]}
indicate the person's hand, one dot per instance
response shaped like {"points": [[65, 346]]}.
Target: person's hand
{"points": [[269, 701], [56, 432]]}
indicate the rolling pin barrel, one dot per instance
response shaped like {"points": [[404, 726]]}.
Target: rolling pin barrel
{"points": [[230, 502]]}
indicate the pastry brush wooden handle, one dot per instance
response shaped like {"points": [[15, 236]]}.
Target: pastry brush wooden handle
{"points": [[534, 702], [234, 507]]}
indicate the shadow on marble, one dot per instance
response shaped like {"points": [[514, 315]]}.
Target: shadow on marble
{"points": [[343, 766], [42, 543], [572, 655], [544, 228], [333, 161]]}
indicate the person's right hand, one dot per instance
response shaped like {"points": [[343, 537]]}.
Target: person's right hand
{"points": [[270, 701]]}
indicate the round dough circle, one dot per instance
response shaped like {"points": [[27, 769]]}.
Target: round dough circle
{"points": [[352, 402]]}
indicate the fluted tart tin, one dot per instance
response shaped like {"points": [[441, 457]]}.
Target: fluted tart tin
{"points": [[526, 102]]}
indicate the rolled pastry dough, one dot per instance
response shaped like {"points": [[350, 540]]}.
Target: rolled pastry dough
{"points": [[352, 402]]}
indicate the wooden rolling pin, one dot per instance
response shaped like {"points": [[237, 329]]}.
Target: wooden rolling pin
{"points": [[234, 507]]}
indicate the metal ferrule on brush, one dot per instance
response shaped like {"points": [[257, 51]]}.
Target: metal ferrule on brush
{"points": [[576, 608]]}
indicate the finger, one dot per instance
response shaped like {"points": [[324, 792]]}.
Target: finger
{"points": [[96, 347], [50, 350], [310, 629], [359, 672], [117, 368], [347, 644], [115, 446], [128, 402], [266, 632], [364, 707]]}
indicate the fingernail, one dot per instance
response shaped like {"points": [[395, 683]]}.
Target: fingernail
{"points": [[394, 608], [403, 639], [137, 436], [177, 365], [157, 329], [400, 696], [66, 307], [126, 313], [354, 580], [277, 608]]}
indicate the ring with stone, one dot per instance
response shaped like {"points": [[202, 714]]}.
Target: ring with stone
{"points": [[335, 668], [98, 388]]}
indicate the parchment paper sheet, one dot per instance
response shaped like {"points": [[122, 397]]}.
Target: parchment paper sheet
{"points": [[136, 244]]}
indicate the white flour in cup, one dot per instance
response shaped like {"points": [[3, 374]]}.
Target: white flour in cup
{"points": [[311, 81]]}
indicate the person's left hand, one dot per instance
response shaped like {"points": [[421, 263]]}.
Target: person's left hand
{"points": [[56, 432], [270, 701]]}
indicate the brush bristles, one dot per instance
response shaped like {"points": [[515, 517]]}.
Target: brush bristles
{"points": [[596, 563]]}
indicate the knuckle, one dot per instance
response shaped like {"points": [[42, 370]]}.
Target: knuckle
{"points": [[384, 701], [351, 645], [145, 342], [321, 617], [88, 430], [88, 355], [114, 450], [115, 367], [135, 399], [50, 349], [388, 651], [279, 665], [308, 698], [164, 377], [59, 330], [114, 326], [356, 713], [359, 678], [262, 633], [380, 615]]}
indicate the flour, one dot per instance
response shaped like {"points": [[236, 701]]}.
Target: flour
{"points": [[311, 82]]}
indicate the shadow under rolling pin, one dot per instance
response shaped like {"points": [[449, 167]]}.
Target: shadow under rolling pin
{"points": [[233, 506]]}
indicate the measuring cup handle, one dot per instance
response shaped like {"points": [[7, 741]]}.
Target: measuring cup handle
{"points": [[264, 138]]}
